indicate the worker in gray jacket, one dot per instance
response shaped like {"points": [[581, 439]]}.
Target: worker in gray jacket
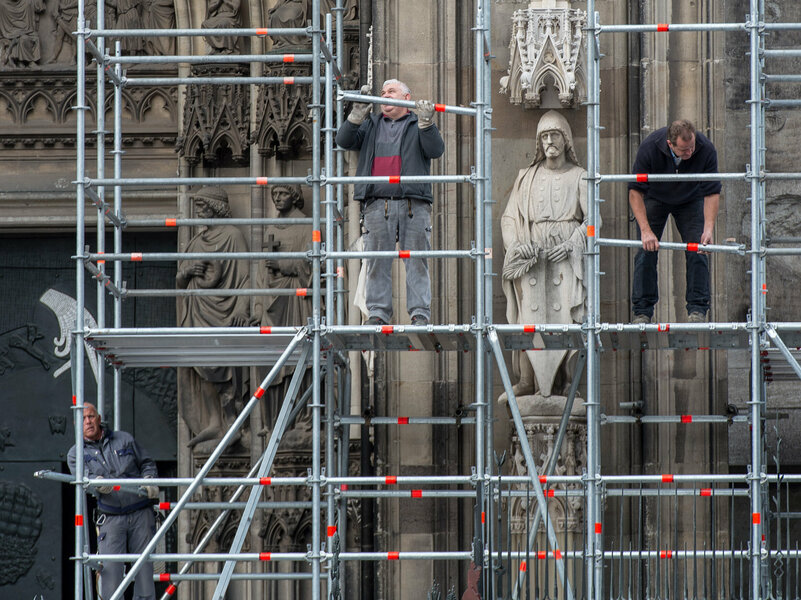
{"points": [[125, 519], [394, 144]]}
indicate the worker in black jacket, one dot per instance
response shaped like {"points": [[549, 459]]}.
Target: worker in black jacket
{"points": [[694, 205]]}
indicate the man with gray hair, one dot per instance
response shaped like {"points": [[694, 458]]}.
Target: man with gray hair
{"points": [[395, 143]]}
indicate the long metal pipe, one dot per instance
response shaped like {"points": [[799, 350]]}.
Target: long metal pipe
{"points": [[446, 108]]}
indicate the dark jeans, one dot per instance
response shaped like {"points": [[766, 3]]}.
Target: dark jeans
{"points": [[689, 220]]}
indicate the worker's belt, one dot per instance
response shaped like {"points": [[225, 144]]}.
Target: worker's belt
{"points": [[105, 509]]}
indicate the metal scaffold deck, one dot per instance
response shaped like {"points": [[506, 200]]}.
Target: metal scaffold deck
{"points": [[574, 566]]}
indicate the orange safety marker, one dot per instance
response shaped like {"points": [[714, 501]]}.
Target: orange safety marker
{"points": [[666, 554], [265, 330], [756, 518], [265, 480], [693, 247], [101, 261], [393, 555], [289, 58], [439, 107], [667, 478], [529, 328], [764, 288], [316, 235], [483, 517], [387, 329], [590, 230], [340, 271], [261, 181], [404, 253], [332, 529], [557, 554], [542, 555], [344, 487], [136, 256], [302, 291], [662, 27], [403, 420], [164, 505], [523, 567], [78, 520], [74, 400], [599, 528], [663, 327], [543, 479], [171, 589], [686, 418], [706, 492], [289, 80], [549, 493], [265, 556], [391, 479], [259, 392], [261, 31], [394, 179], [417, 493], [171, 222], [116, 488], [164, 576], [642, 177]]}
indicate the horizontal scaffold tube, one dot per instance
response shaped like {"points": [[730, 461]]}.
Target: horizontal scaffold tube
{"points": [[685, 419], [165, 577], [666, 27], [182, 293], [446, 108], [156, 81], [406, 420], [211, 59], [158, 182], [232, 32], [178, 222], [691, 247], [278, 557], [791, 103], [654, 177], [170, 256], [235, 505]]}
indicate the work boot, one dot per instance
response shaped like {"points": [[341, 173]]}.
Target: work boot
{"points": [[641, 319], [419, 320], [375, 321], [696, 317]]}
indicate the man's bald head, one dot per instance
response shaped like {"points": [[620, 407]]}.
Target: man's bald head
{"points": [[92, 429]]}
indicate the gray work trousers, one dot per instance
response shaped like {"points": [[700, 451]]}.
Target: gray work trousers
{"points": [[409, 222], [126, 534]]}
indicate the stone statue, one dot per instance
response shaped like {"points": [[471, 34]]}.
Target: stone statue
{"points": [[222, 14], [289, 14], [544, 236], [210, 397], [278, 311], [159, 14], [20, 45], [128, 17]]}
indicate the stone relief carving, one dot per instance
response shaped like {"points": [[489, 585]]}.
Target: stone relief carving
{"points": [[281, 311], [546, 51], [289, 14], [544, 236], [159, 14], [222, 14], [20, 526], [211, 397], [20, 45], [216, 118], [285, 130]]}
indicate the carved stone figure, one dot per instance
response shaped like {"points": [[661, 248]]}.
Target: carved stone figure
{"points": [[159, 14], [222, 14], [289, 14], [128, 18], [209, 396], [544, 236], [289, 273], [19, 37]]}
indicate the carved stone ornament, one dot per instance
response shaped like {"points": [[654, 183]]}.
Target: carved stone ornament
{"points": [[216, 118], [285, 129], [546, 51]]}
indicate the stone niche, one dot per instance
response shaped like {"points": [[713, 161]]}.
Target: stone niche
{"points": [[546, 57]]}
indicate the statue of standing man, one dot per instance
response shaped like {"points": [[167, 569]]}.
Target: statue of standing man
{"points": [[544, 236]]}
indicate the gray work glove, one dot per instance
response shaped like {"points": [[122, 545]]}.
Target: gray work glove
{"points": [[152, 491], [104, 489], [360, 110], [425, 112]]}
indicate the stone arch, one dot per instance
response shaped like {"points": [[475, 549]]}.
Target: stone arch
{"points": [[28, 109]]}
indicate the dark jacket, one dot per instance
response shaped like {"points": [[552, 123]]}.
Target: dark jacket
{"points": [[418, 147], [654, 157], [116, 455]]}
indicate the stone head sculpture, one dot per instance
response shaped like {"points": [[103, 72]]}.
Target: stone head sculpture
{"points": [[554, 121]]}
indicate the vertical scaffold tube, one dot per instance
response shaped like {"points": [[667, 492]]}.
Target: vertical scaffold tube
{"points": [[594, 554], [757, 302], [316, 247], [481, 403], [117, 231], [100, 132], [78, 347]]}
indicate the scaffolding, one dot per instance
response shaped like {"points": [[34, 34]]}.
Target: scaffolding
{"points": [[587, 569]]}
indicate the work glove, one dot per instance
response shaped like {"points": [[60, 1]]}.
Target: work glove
{"points": [[425, 112], [152, 491], [360, 110], [104, 489]]}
